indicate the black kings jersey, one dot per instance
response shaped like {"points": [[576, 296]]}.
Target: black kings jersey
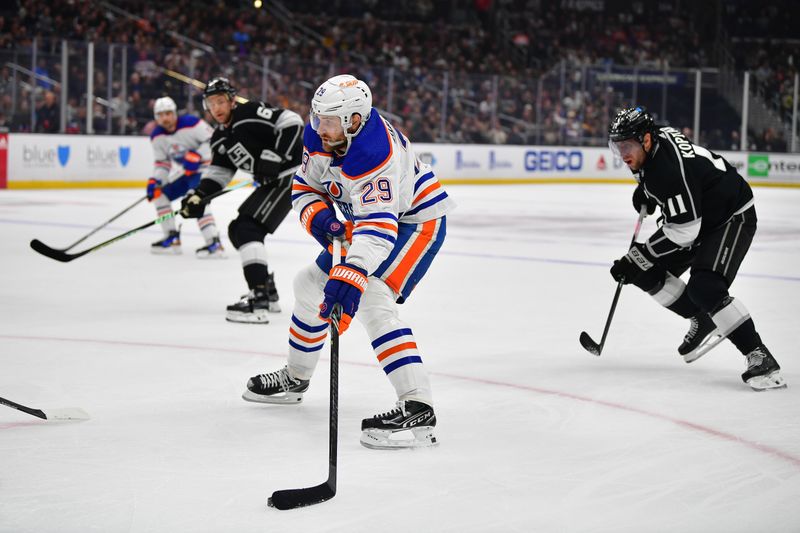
{"points": [[261, 140], [698, 191]]}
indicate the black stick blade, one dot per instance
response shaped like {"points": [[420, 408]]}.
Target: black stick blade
{"points": [[294, 498], [52, 253], [590, 346]]}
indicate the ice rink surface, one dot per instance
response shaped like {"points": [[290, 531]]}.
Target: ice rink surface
{"points": [[536, 434]]}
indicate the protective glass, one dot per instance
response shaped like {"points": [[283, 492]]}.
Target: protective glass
{"points": [[330, 124], [628, 147]]}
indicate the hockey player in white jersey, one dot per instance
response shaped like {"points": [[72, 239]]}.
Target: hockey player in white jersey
{"points": [[182, 142], [395, 211]]}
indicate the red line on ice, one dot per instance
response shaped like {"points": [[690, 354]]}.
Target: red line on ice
{"points": [[768, 450]]}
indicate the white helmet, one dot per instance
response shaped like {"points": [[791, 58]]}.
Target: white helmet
{"points": [[164, 105], [342, 96]]}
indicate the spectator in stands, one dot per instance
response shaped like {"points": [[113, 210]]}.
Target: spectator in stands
{"points": [[47, 114]]}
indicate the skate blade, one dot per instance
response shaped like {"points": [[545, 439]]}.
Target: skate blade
{"points": [[288, 398], [259, 317], [709, 344], [770, 381], [377, 439], [172, 250], [216, 255]]}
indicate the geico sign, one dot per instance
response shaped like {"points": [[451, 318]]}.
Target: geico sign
{"points": [[553, 160]]}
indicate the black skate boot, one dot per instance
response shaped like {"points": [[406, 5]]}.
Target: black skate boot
{"points": [[213, 250], [171, 244], [700, 330], [272, 294], [275, 387], [409, 416], [763, 371], [252, 308]]}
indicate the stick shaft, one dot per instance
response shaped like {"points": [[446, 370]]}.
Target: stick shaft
{"points": [[642, 214], [104, 224]]}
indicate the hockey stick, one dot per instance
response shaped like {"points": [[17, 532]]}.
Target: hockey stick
{"points": [[68, 413], [294, 498], [103, 225], [586, 340], [60, 255]]}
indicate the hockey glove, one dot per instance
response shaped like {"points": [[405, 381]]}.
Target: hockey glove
{"points": [[192, 205], [191, 162], [321, 223], [630, 267], [153, 189], [345, 286], [640, 199]]}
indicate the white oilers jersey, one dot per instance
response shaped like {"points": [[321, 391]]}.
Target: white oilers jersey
{"points": [[377, 185], [191, 133]]}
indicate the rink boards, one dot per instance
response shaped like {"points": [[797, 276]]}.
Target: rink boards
{"points": [[29, 161]]}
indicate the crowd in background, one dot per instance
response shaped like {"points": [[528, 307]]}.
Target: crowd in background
{"points": [[484, 71]]}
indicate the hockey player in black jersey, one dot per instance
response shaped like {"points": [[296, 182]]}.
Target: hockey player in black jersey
{"points": [[266, 142], [709, 220]]}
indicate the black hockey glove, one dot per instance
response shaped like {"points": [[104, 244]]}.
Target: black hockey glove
{"points": [[192, 205], [630, 267], [640, 199]]}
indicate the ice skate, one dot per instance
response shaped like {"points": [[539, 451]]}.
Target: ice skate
{"points": [[213, 250], [763, 371], [701, 333], [409, 425], [252, 308], [171, 244], [275, 387]]}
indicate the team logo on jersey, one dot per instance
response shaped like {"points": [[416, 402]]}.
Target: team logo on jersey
{"points": [[240, 157], [334, 189]]}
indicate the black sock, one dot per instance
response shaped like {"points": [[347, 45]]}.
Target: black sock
{"points": [[256, 276], [745, 337]]}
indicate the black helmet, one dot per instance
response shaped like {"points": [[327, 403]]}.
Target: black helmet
{"points": [[631, 123], [219, 86]]}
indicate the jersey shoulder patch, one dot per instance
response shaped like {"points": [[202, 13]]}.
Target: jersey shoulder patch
{"points": [[370, 150], [158, 130], [187, 121]]}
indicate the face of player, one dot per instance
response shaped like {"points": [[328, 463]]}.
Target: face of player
{"points": [[220, 107], [631, 151], [167, 120], [330, 129]]}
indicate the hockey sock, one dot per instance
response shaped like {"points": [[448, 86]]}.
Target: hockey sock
{"points": [[164, 207], [254, 264], [745, 337], [672, 294], [399, 357], [733, 321], [306, 339], [208, 227]]}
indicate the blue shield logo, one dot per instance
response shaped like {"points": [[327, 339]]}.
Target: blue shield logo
{"points": [[124, 155], [63, 155]]}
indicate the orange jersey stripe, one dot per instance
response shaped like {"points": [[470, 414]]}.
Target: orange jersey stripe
{"points": [[384, 225], [299, 187], [307, 339], [395, 280], [394, 349], [427, 190]]}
